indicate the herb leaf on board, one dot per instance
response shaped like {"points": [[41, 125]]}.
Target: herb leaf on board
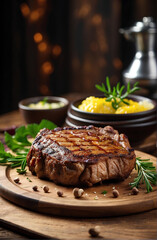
{"points": [[19, 144]]}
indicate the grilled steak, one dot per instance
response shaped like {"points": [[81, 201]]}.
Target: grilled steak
{"points": [[81, 156]]}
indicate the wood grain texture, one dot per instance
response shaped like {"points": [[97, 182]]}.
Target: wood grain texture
{"points": [[8, 234], [140, 226], [25, 222], [92, 204]]}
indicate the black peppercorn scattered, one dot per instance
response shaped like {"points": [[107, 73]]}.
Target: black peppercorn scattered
{"points": [[94, 232], [60, 194], [115, 193], [46, 188], [78, 192], [35, 188], [135, 191], [16, 180]]}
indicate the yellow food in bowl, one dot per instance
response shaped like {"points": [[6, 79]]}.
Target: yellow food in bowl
{"points": [[99, 105]]}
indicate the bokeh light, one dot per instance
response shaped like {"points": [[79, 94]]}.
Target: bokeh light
{"points": [[25, 9], [56, 50], [117, 63], [34, 15], [44, 89], [42, 47], [83, 11], [97, 19], [47, 67], [38, 37], [41, 2]]}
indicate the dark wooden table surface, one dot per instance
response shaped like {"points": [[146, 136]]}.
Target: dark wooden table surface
{"points": [[19, 223]]}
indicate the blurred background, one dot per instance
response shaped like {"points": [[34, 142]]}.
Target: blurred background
{"points": [[54, 47]]}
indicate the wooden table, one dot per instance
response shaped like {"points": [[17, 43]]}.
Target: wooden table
{"points": [[16, 222]]}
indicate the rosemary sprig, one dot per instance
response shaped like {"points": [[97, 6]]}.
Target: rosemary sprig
{"points": [[116, 95], [146, 174]]}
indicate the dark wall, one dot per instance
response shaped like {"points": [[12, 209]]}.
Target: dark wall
{"points": [[68, 24], [13, 57], [21, 68]]}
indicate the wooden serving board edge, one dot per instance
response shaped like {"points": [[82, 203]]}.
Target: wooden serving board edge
{"points": [[76, 208]]}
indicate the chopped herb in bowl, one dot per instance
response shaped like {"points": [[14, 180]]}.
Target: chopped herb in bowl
{"points": [[44, 104]]}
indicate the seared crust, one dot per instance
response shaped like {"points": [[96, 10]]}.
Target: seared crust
{"points": [[83, 155]]}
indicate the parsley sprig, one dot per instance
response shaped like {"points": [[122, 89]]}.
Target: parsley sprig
{"points": [[146, 174], [116, 95], [19, 144]]}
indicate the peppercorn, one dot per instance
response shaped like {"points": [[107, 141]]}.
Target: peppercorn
{"points": [[135, 191], [60, 194], [16, 180], [78, 192], [115, 193], [46, 189], [35, 188], [94, 232]]}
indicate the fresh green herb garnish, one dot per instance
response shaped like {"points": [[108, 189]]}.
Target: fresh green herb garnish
{"points": [[19, 144], [116, 96], [29, 180], [45, 99], [146, 174], [104, 192], [7, 158]]}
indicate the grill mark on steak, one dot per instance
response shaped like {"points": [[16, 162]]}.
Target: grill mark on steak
{"points": [[81, 153], [93, 147]]}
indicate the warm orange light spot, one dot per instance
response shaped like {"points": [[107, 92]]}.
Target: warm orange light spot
{"points": [[34, 15], [56, 50], [41, 2], [47, 67], [117, 63], [44, 89], [42, 47], [38, 37], [41, 11], [97, 19], [83, 11], [25, 9]]}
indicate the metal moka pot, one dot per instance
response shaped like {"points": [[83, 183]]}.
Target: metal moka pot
{"points": [[143, 67]]}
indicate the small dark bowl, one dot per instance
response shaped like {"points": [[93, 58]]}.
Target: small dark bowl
{"points": [[84, 121], [56, 115], [110, 117], [136, 133]]}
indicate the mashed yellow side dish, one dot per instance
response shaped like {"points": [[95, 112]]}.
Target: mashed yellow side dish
{"points": [[99, 105]]}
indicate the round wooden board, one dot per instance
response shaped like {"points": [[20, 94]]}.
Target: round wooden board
{"points": [[148, 144], [92, 204]]}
